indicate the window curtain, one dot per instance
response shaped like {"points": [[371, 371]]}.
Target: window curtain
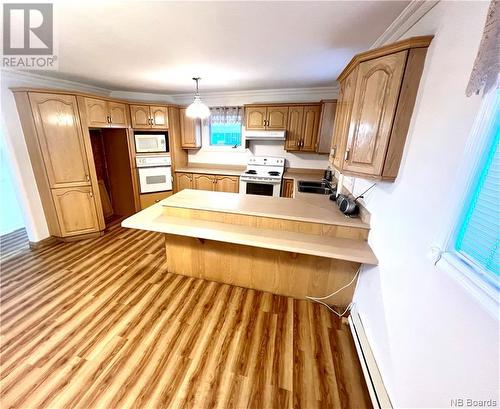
{"points": [[487, 64], [226, 115]]}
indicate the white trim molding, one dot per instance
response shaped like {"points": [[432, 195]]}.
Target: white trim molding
{"points": [[311, 94], [376, 388], [29, 79], [406, 20]]}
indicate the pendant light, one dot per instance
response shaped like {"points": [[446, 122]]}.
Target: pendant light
{"points": [[197, 109]]}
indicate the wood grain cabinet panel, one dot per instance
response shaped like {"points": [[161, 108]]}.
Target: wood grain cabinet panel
{"points": [[183, 181], [375, 100], [76, 209], [229, 184], [118, 114], [294, 128], [287, 188], [190, 131], [277, 117], [310, 128], [342, 118], [204, 182], [97, 112], [255, 118], [159, 117], [140, 116], [326, 124], [60, 137]]}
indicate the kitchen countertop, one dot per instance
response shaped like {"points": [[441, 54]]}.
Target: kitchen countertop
{"points": [[310, 208], [154, 218]]}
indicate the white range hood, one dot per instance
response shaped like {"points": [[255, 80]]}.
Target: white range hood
{"points": [[265, 135]]}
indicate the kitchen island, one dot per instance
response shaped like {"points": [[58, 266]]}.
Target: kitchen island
{"points": [[285, 246]]}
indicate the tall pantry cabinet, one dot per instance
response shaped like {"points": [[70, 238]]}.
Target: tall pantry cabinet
{"points": [[60, 153]]}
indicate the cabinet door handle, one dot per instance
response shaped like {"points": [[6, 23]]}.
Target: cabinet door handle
{"points": [[87, 177], [91, 194], [150, 121], [346, 156], [334, 153]]}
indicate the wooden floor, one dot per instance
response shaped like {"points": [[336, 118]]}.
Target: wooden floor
{"points": [[13, 243], [101, 324]]}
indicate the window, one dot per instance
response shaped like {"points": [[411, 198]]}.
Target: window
{"points": [[477, 236], [225, 126]]}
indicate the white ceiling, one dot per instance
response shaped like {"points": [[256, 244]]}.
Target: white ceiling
{"points": [[158, 46]]}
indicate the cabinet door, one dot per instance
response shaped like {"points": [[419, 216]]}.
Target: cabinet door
{"points": [[184, 181], [227, 184], [119, 114], [97, 112], [375, 100], [277, 117], [140, 117], [255, 118], [159, 117], [61, 140], [294, 128], [287, 188], [343, 118], [310, 128], [204, 182], [76, 210], [326, 124], [190, 135]]}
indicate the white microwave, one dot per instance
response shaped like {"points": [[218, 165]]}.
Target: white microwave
{"points": [[151, 142]]}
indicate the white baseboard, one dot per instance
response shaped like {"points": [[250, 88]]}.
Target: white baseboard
{"points": [[376, 388]]}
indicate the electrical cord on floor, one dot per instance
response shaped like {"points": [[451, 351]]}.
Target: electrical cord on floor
{"points": [[319, 299]]}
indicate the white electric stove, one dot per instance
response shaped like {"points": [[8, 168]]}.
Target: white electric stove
{"points": [[263, 176]]}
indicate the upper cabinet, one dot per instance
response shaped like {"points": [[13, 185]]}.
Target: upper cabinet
{"points": [[262, 117], [190, 131], [104, 114], [60, 139], [326, 123], [146, 116], [378, 91], [302, 128]]}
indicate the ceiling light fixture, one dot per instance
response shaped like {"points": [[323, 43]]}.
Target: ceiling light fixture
{"points": [[197, 109]]}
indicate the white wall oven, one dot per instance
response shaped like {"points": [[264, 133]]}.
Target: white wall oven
{"points": [[151, 142], [155, 173]]}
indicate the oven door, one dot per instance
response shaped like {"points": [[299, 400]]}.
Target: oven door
{"points": [[157, 179], [261, 188]]}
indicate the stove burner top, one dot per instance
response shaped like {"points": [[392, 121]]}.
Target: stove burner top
{"points": [[251, 172], [274, 173]]}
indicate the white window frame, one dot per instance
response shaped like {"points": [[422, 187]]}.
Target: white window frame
{"points": [[464, 271]]}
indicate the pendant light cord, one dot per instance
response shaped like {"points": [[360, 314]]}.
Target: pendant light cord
{"points": [[196, 79]]}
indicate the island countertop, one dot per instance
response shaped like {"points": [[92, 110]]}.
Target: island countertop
{"points": [[313, 210]]}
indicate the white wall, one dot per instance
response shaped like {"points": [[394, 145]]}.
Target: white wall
{"points": [[431, 338]]}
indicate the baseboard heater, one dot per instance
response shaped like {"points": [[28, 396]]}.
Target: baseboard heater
{"points": [[376, 388]]}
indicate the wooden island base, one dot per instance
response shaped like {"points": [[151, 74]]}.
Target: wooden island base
{"points": [[279, 272]]}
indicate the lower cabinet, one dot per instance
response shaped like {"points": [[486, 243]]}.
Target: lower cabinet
{"points": [[287, 188], [183, 181], [201, 181], [76, 210], [227, 184], [149, 199]]}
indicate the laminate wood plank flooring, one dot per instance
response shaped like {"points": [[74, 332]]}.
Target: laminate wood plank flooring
{"points": [[13, 243], [101, 324]]}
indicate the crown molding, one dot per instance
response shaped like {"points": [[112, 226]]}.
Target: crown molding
{"points": [[406, 20], [312, 94], [29, 79]]}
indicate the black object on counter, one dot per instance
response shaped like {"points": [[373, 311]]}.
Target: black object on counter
{"points": [[328, 175]]}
